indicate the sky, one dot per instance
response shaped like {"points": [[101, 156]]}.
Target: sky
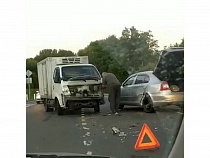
{"points": [[73, 24]]}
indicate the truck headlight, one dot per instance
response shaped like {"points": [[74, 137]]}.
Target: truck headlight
{"points": [[66, 90]]}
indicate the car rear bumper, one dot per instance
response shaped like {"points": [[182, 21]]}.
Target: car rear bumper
{"points": [[167, 99]]}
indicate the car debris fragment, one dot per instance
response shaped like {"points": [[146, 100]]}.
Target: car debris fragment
{"points": [[115, 130], [122, 134]]}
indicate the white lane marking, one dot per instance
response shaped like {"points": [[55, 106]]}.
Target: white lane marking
{"points": [[84, 123], [28, 105], [89, 153], [87, 134], [86, 128], [87, 143]]}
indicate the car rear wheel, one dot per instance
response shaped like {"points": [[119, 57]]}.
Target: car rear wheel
{"points": [[148, 104]]}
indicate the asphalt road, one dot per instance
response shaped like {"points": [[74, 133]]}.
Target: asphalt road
{"points": [[86, 132]]}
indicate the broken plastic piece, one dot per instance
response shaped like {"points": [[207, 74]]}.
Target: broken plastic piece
{"points": [[122, 134], [115, 130]]}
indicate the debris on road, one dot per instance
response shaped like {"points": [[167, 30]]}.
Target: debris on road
{"points": [[115, 130], [103, 132], [122, 134], [133, 125]]}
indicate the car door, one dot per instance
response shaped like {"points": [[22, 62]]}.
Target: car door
{"points": [[138, 88], [125, 89]]}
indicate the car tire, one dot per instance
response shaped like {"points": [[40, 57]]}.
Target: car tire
{"points": [[148, 104], [97, 108], [60, 110], [121, 107], [37, 102]]}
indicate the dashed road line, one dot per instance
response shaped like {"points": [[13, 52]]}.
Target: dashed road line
{"points": [[86, 128], [86, 142], [89, 153], [84, 123]]}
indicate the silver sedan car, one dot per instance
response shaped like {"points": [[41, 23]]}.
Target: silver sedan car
{"points": [[164, 86]]}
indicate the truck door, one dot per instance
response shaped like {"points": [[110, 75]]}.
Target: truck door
{"points": [[56, 87]]}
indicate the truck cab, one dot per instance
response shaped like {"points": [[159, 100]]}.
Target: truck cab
{"points": [[74, 85]]}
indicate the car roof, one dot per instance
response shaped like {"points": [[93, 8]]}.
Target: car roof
{"points": [[143, 72], [172, 49]]}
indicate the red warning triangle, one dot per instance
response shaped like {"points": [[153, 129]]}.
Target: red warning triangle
{"points": [[154, 142]]}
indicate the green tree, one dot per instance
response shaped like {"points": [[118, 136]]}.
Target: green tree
{"points": [[103, 60], [134, 50], [181, 44]]}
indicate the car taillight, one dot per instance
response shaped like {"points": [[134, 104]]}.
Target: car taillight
{"points": [[164, 86]]}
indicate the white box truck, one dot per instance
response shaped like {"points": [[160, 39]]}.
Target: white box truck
{"points": [[69, 83]]}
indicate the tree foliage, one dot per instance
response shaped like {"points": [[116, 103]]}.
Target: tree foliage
{"points": [[178, 44], [135, 50], [103, 60]]}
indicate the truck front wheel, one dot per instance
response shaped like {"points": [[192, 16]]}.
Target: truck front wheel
{"points": [[58, 108], [97, 108]]}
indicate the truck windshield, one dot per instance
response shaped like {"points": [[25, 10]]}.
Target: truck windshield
{"points": [[69, 72]]}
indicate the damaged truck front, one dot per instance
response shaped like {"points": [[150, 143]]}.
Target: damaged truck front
{"points": [[69, 83]]}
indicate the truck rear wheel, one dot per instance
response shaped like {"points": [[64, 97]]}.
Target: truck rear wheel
{"points": [[47, 109], [58, 108], [97, 108]]}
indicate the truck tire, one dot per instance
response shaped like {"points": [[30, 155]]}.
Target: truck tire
{"points": [[148, 104], [47, 109], [121, 106], [97, 108], [58, 108]]}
